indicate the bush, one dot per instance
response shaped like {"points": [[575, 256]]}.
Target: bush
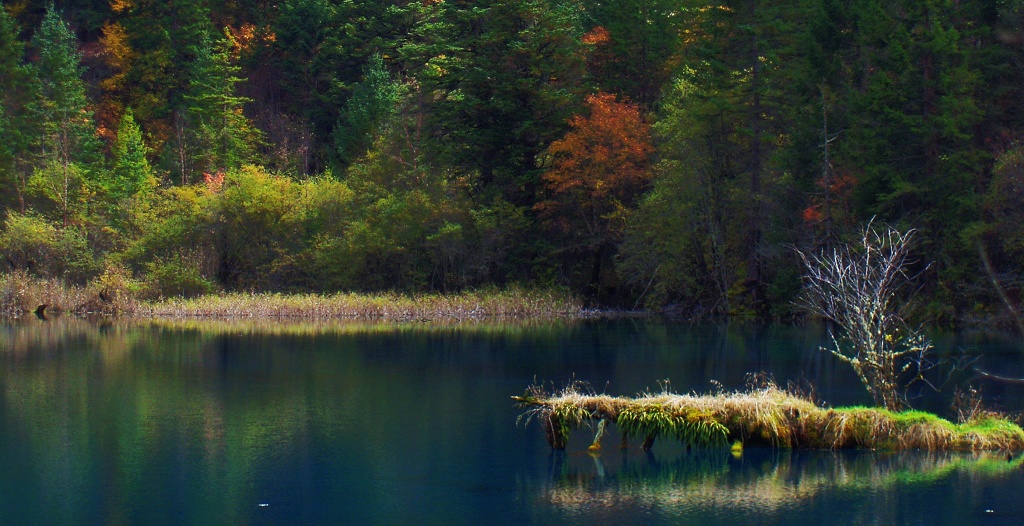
{"points": [[33, 245], [176, 278], [75, 262], [112, 292], [28, 242]]}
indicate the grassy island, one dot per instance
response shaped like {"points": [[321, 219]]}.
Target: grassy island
{"points": [[765, 416]]}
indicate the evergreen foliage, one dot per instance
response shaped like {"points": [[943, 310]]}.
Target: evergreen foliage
{"points": [[68, 128], [131, 172], [67, 144], [17, 96], [374, 100], [222, 137]]}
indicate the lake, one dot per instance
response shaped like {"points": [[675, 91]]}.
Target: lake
{"points": [[325, 423]]}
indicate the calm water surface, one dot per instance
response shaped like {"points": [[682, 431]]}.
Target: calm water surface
{"points": [[235, 423]]}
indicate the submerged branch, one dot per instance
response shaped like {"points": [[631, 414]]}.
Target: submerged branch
{"points": [[990, 376]]}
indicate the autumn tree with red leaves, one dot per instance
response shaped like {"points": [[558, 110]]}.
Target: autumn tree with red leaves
{"points": [[598, 171]]}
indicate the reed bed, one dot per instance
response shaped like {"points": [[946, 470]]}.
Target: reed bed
{"points": [[765, 416], [21, 295], [320, 326], [113, 294], [512, 303]]}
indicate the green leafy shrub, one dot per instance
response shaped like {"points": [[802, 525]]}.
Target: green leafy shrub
{"points": [[34, 245], [29, 243], [176, 278], [75, 260]]}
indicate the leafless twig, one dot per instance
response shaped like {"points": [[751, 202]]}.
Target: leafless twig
{"points": [[858, 287]]}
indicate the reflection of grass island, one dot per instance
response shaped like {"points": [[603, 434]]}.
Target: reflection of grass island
{"points": [[774, 482], [764, 416]]}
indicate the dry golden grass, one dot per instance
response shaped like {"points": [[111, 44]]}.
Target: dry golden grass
{"points": [[513, 303], [108, 294], [111, 294], [767, 416]]}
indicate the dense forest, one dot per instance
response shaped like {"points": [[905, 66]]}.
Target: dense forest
{"points": [[667, 154]]}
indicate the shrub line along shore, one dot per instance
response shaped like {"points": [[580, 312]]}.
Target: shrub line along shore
{"points": [[767, 416]]}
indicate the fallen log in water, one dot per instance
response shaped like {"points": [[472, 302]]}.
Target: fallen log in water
{"points": [[767, 416]]}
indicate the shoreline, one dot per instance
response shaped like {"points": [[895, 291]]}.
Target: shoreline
{"points": [[24, 297]]}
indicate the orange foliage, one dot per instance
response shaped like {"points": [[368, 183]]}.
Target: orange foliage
{"points": [[214, 182], [599, 55], [813, 214], [117, 53], [836, 193], [598, 35], [600, 168], [118, 56], [247, 37]]}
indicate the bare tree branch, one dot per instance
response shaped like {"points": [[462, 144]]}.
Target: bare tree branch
{"points": [[858, 287]]}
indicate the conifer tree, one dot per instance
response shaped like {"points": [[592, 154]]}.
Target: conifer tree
{"points": [[157, 51], [640, 38], [311, 57], [17, 95], [223, 138], [511, 79], [372, 101], [67, 145], [131, 173]]}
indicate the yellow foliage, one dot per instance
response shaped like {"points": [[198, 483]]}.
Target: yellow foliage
{"points": [[116, 51], [120, 6]]}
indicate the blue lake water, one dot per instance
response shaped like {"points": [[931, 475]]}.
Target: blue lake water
{"points": [[247, 423]]}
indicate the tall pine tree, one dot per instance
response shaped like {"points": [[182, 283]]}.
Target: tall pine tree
{"points": [[131, 172], [159, 44], [17, 95], [507, 86], [222, 136], [373, 101], [68, 146]]}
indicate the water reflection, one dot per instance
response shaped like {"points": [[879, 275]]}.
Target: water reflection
{"points": [[200, 422], [756, 482]]}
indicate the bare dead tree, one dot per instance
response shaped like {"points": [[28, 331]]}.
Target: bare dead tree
{"points": [[858, 287]]}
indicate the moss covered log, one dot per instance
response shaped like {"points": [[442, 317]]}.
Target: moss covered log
{"points": [[768, 416]]}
